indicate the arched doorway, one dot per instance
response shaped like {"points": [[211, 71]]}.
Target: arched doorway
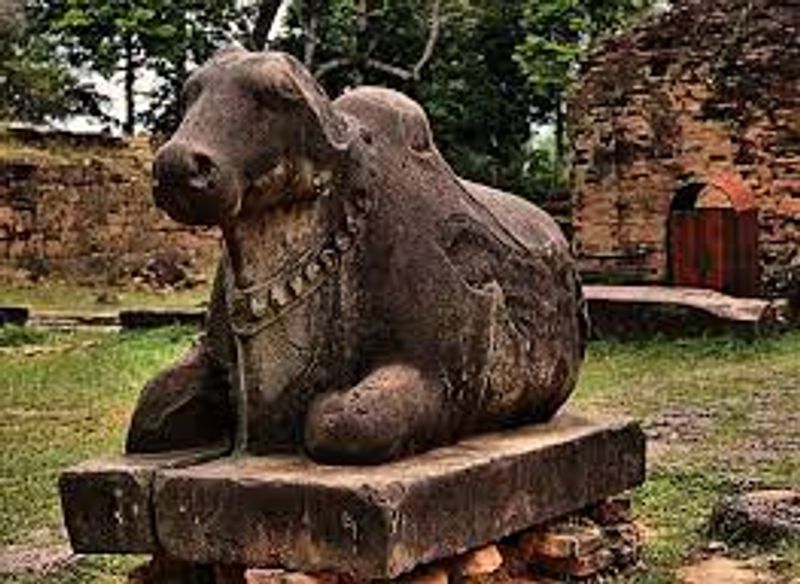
{"points": [[713, 236]]}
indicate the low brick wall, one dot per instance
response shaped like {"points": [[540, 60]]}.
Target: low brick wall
{"points": [[86, 214]]}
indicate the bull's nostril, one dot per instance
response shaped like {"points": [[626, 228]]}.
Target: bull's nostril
{"points": [[203, 172], [203, 163]]}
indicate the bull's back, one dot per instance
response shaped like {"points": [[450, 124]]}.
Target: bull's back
{"points": [[538, 332], [528, 224], [494, 243]]}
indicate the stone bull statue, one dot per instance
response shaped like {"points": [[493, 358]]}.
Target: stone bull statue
{"points": [[370, 303]]}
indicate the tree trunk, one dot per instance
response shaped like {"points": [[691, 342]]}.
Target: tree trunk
{"points": [[129, 125], [267, 10], [560, 131], [560, 135]]}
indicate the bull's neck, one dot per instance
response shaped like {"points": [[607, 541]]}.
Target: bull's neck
{"points": [[261, 247]]}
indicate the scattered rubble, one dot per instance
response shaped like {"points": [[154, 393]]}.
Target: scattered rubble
{"points": [[761, 517]]}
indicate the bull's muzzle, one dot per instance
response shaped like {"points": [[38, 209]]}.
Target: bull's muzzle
{"points": [[193, 186]]}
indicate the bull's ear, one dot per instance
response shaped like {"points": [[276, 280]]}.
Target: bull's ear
{"points": [[330, 132]]}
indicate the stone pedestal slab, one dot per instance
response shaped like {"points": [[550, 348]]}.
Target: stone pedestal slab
{"points": [[382, 521], [107, 503]]}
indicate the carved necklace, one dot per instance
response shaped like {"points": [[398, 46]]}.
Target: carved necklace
{"points": [[255, 308]]}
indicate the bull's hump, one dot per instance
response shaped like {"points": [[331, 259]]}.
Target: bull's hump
{"points": [[394, 117]]}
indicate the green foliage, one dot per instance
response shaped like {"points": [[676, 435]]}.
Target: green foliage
{"points": [[196, 30], [558, 33], [476, 95], [473, 91], [34, 84], [108, 36], [496, 69], [486, 72]]}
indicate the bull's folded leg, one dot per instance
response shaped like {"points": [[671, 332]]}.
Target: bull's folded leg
{"points": [[393, 410], [185, 406]]}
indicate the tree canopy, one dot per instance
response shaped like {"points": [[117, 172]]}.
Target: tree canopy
{"points": [[487, 71], [34, 84]]}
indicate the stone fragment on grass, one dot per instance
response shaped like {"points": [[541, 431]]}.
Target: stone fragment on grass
{"points": [[762, 517], [723, 570]]}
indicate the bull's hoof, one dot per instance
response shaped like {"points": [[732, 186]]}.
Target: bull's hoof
{"points": [[392, 412]]}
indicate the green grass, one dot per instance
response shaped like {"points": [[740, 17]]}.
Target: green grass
{"points": [[70, 297], [61, 407], [101, 569], [723, 413]]}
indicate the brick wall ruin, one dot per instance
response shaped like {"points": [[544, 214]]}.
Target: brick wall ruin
{"points": [[85, 213], [710, 87]]}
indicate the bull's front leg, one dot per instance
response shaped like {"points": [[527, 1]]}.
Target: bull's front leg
{"points": [[395, 409], [185, 406], [189, 404]]}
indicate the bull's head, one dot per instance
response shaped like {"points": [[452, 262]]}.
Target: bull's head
{"points": [[253, 125]]}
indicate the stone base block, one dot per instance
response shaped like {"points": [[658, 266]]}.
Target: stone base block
{"points": [[571, 548], [107, 503], [382, 521]]}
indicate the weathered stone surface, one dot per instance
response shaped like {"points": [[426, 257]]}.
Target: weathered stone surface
{"points": [[643, 311], [268, 576], [428, 575], [577, 566], [370, 303], [568, 541], [758, 517], [612, 511], [283, 510], [577, 547], [161, 569], [72, 319], [107, 503]]}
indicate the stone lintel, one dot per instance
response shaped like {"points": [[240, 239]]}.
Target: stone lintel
{"points": [[382, 521], [107, 503]]}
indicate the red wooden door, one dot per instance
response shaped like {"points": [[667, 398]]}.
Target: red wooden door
{"points": [[714, 248]]}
